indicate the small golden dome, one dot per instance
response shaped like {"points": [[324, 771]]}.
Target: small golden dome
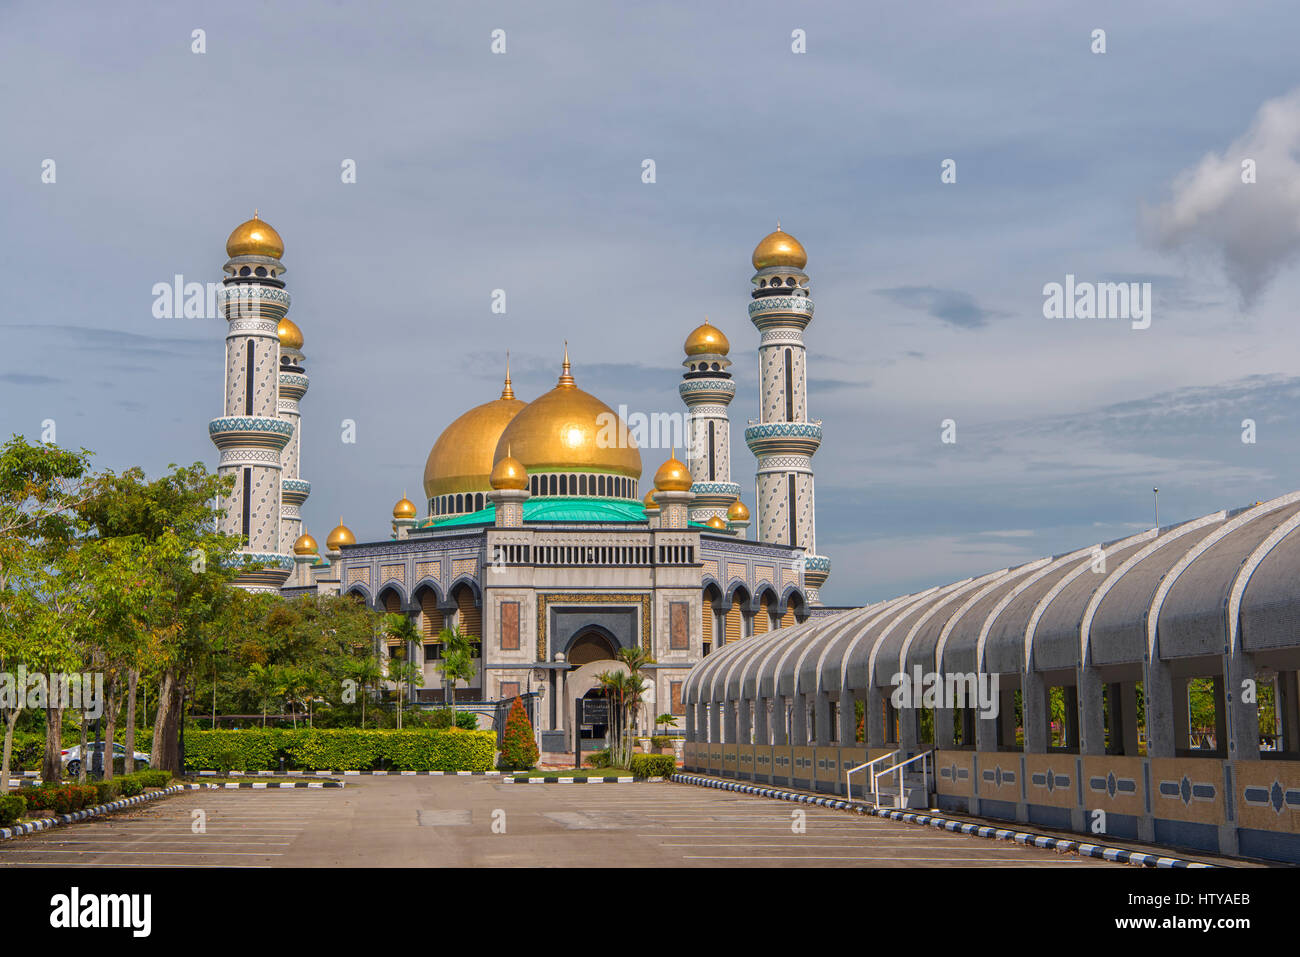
{"points": [[649, 501], [779, 249], [255, 238], [461, 460], [340, 536], [707, 339], [717, 523], [737, 512], [404, 508], [673, 476], [289, 333], [305, 545], [509, 473]]}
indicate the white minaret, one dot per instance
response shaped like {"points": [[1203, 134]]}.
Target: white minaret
{"points": [[707, 389], [252, 435], [293, 386], [784, 439]]}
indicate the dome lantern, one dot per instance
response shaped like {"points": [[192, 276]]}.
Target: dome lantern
{"points": [[342, 535], [779, 248], [255, 238]]}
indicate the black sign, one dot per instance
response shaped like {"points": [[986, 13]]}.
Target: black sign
{"points": [[595, 711]]}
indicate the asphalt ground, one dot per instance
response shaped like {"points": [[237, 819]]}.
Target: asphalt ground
{"points": [[479, 822]]}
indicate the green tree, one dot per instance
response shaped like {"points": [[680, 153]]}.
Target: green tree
{"points": [[457, 662]]}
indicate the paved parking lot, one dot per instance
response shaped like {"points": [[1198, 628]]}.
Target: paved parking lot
{"points": [[458, 822]]}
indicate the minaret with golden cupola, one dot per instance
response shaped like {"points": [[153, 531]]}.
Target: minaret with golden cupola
{"points": [[707, 389], [252, 435], [293, 383], [784, 439]]}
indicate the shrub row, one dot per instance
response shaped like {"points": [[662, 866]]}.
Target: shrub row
{"points": [[66, 798], [339, 749], [652, 765]]}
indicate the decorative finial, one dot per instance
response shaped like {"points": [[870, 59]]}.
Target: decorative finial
{"points": [[506, 391], [255, 212], [778, 225], [566, 379]]}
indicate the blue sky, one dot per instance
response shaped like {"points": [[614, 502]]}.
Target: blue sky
{"points": [[523, 172]]}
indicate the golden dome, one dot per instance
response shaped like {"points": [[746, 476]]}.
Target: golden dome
{"points": [[305, 545], [340, 536], [649, 500], [737, 512], [568, 429], [255, 238], [779, 249], [509, 473], [289, 333], [717, 523], [404, 508], [673, 476], [707, 339], [461, 460]]}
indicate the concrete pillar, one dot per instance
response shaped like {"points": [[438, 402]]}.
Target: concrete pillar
{"points": [[822, 723], [1071, 694], [1033, 697], [715, 721], [744, 729], [909, 729], [690, 723], [762, 723], [1240, 722], [1288, 709], [945, 720], [729, 734], [1221, 718], [799, 721], [1161, 708], [875, 717], [780, 735], [1181, 720], [848, 720], [1092, 712]]}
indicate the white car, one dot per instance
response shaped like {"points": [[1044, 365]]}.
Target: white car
{"points": [[72, 757]]}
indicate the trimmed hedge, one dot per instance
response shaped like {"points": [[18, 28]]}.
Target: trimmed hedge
{"points": [[652, 765], [60, 798], [339, 749], [12, 809]]}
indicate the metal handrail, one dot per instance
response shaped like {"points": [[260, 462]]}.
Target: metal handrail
{"points": [[848, 787], [924, 758]]}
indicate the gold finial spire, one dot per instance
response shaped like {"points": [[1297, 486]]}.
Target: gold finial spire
{"points": [[255, 212], [566, 379], [506, 391]]}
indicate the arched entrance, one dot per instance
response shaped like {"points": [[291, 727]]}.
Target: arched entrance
{"points": [[590, 645]]}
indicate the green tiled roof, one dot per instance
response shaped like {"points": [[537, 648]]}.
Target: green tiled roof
{"points": [[575, 509]]}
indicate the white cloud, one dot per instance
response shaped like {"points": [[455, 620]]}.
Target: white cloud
{"points": [[1253, 229]]}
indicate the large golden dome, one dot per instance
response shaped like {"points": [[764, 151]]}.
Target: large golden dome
{"points": [[673, 476], [255, 238], [342, 535], [707, 339], [462, 458], [569, 430], [779, 249]]}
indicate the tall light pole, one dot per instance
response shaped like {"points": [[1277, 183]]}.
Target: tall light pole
{"points": [[1156, 493]]}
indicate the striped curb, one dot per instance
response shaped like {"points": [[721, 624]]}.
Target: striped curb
{"points": [[321, 774], [262, 785], [99, 810], [572, 779], [1117, 854]]}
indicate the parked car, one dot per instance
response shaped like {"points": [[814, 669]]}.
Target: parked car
{"points": [[72, 757]]}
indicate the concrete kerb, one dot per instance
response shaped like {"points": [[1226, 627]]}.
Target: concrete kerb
{"points": [[1117, 854], [99, 810]]}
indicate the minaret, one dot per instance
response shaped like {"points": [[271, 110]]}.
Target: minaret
{"points": [[707, 389], [784, 439], [252, 436], [293, 386]]}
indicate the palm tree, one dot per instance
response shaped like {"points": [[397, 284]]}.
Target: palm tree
{"points": [[401, 673], [366, 673], [265, 680], [457, 662], [624, 690]]}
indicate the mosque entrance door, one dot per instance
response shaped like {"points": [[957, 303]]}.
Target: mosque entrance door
{"points": [[593, 648]]}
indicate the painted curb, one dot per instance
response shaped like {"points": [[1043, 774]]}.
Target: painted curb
{"points": [[571, 779], [99, 810], [322, 774], [262, 785], [1117, 854]]}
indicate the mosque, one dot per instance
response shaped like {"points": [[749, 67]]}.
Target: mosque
{"points": [[540, 535]]}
